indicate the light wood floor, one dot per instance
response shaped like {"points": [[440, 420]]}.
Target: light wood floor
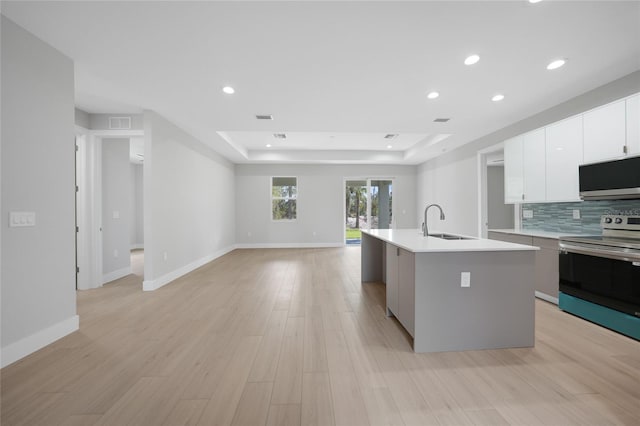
{"points": [[269, 337]]}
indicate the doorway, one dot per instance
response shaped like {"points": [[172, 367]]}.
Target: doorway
{"points": [[493, 212], [368, 205]]}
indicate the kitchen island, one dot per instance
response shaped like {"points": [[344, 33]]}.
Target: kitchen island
{"points": [[453, 295]]}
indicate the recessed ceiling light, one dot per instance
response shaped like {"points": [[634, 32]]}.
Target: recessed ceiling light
{"points": [[433, 95], [389, 146], [228, 90], [556, 64], [497, 98], [268, 145], [471, 60], [535, 1]]}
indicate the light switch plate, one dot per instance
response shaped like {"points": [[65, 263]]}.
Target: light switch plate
{"points": [[527, 214], [465, 279], [21, 219], [576, 214], [116, 214]]}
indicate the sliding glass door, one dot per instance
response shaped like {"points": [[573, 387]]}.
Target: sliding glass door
{"points": [[368, 205]]}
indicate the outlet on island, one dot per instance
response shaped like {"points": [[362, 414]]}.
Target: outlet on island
{"points": [[465, 279]]}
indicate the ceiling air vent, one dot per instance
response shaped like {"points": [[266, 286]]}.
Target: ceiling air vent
{"points": [[441, 120], [119, 123], [280, 135], [391, 136], [264, 117]]}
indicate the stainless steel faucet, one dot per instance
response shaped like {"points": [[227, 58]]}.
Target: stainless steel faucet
{"points": [[425, 230]]}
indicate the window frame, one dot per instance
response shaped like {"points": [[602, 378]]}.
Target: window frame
{"points": [[272, 198]]}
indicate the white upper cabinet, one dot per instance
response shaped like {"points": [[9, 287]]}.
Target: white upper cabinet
{"points": [[605, 132], [633, 125], [513, 170], [542, 165], [534, 166], [563, 155]]}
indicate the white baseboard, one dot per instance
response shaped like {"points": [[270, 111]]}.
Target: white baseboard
{"points": [[289, 245], [30, 344], [137, 246], [546, 297], [150, 285], [106, 278]]}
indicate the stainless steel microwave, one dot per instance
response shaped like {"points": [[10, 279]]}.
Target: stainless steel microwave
{"points": [[610, 180]]}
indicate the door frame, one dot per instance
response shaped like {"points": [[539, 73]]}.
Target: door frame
{"points": [[89, 207], [483, 208]]}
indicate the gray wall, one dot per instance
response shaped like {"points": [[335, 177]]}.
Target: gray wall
{"points": [[137, 206], [189, 203], [116, 198], [38, 263], [499, 214], [320, 202], [452, 179], [82, 118]]}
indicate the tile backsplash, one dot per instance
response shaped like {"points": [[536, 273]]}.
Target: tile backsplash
{"points": [[558, 217]]}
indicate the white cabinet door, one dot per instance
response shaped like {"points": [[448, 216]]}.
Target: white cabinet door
{"points": [[605, 132], [513, 170], [392, 278], [563, 155], [534, 169], [633, 125]]}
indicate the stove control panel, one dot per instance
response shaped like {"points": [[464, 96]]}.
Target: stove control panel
{"points": [[620, 222]]}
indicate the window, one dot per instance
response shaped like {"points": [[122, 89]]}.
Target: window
{"points": [[284, 194]]}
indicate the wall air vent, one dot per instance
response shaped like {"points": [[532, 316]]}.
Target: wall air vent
{"points": [[264, 116], [391, 136], [120, 123], [280, 135], [441, 120]]}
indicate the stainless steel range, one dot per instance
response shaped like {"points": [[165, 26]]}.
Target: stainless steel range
{"points": [[600, 275]]}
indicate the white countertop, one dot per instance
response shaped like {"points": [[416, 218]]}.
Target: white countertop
{"points": [[536, 233], [413, 241]]}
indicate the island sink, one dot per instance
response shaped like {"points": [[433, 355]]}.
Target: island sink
{"points": [[450, 237]]}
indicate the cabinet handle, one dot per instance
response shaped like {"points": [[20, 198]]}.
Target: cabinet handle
{"points": [[397, 251], [523, 196], [624, 149]]}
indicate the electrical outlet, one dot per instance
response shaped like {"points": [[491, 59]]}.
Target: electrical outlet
{"points": [[248, 233], [165, 256], [527, 214], [465, 279], [314, 233], [116, 253], [116, 214], [576, 214]]}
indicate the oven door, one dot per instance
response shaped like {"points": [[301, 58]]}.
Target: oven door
{"points": [[604, 275]]}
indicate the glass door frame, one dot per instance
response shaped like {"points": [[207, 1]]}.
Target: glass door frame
{"points": [[368, 181]]}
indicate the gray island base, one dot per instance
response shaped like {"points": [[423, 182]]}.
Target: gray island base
{"points": [[423, 277]]}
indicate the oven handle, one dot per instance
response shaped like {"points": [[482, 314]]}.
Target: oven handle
{"points": [[597, 252]]}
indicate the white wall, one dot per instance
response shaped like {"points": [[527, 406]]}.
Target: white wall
{"points": [[117, 209], [451, 179], [189, 203], [320, 202], [137, 196], [38, 263]]}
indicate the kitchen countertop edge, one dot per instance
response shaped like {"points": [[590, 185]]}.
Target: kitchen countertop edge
{"points": [[412, 240]]}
